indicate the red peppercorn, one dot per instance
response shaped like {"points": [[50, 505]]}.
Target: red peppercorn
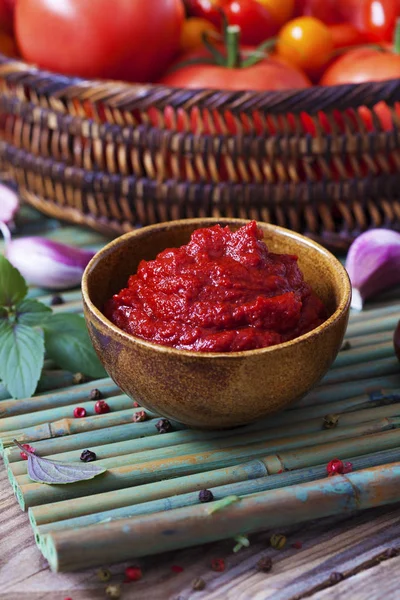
{"points": [[347, 467], [133, 573], [139, 416], [297, 545], [79, 412], [218, 564], [101, 407], [177, 569], [334, 467], [27, 447], [136, 404]]}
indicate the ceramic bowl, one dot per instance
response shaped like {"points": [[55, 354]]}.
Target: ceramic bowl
{"points": [[213, 390]]}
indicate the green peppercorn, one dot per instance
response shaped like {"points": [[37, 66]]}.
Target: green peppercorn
{"points": [[113, 591], [104, 575], [330, 421], [198, 584], [277, 541]]}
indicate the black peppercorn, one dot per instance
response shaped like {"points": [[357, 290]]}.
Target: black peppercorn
{"points": [[139, 416], [330, 421], [163, 426], [198, 584], [336, 577], [57, 300], [95, 394], [88, 456], [206, 496], [265, 564]]}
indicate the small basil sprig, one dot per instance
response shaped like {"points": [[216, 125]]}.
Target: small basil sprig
{"points": [[29, 331]]}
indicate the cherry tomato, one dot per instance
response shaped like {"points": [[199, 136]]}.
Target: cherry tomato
{"points": [[375, 18], [281, 10], [345, 35], [365, 64], [135, 41], [205, 9], [7, 8], [325, 10], [306, 42], [255, 20], [192, 33]]}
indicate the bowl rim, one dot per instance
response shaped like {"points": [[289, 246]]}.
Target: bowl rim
{"points": [[344, 304]]}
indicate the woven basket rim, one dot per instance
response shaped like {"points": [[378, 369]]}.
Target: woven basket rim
{"points": [[128, 96]]}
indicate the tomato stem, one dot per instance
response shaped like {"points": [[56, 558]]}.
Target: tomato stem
{"points": [[232, 40], [396, 41]]}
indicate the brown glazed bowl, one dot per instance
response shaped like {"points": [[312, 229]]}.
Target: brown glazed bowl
{"points": [[210, 390]]}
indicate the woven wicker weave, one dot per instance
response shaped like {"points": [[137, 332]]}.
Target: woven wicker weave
{"points": [[113, 155]]}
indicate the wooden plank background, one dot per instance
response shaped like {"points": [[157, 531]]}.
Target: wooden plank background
{"points": [[362, 548]]}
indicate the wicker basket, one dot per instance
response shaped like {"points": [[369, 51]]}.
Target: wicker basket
{"points": [[113, 155]]}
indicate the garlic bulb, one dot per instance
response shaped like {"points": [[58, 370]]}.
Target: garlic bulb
{"points": [[373, 264]]}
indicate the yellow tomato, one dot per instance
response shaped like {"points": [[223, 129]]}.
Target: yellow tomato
{"points": [[281, 10], [192, 33], [306, 42]]}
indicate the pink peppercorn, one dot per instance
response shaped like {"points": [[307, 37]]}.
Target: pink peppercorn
{"points": [[79, 412], [133, 573], [177, 569], [335, 467], [218, 564], [101, 407], [27, 447]]}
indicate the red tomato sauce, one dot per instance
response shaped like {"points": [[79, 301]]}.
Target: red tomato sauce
{"points": [[222, 292]]}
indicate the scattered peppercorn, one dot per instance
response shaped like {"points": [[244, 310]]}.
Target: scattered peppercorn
{"points": [[27, 447], [79, 412], [101, 407], [336, 577], [139, 416], [104, 575], [297, 545], [136, 405], [277, 541], [177, 569], [88, 456], [56, 300], [79, 378], [95, 394], [330, 421], [265, 564], [218, 564], [133, 573], [334, 467], [163, 426], [198, 584], [113, 591], [346, 346], [206, 496]]}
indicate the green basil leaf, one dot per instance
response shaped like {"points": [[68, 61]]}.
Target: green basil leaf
{"points": [[68, 344], [13, 286], [21, 358], [32, 312]]}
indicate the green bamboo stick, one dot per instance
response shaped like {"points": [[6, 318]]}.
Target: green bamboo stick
{"points": [[69, 395], [364, 354], [374, 312], [31, 494], [348, 389], [69, 426], [367, 326], [67, 296], [140, 536], [376, 368], [309, 432], [242, 488], [69, 307], [371, 339], [49, 380]]}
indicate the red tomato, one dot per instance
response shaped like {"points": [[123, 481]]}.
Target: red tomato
{"points": [[7, 8], [345, 34], [133, 41], [306, 42], [375, 18], [255, 20], [281, 10], [205, 9], [325, 10], [361, 65], [269, 74]]}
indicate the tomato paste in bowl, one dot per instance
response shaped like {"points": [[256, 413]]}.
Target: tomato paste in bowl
{"points": [[224, 291]]}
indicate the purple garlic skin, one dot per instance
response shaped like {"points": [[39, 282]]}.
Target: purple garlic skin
{"points": [[9, 204], [373, 264], [48, 264]]}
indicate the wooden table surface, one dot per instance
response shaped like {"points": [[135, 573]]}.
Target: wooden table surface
{"points": [[362, 549]]}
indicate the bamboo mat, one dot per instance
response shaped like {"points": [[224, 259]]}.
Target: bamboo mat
{"points": [[274, 471]]}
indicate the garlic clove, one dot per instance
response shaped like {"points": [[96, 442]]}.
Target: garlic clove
{"points": [[46, 263], [9, 204], [373, 264]]}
